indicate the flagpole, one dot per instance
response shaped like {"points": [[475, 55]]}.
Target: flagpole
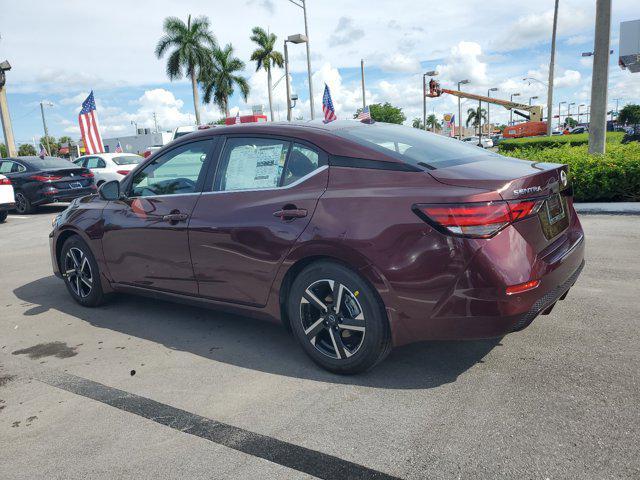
{"points": [[364, 101]]}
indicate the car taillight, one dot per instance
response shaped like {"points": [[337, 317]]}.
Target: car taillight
{"points": [[146, 154], [45, 178], [123, 172], [477, 220], [87, 175], [5, 181], [522, 287]]}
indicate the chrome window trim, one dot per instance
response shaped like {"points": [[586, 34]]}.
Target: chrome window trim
{"points": [[268, 189]]}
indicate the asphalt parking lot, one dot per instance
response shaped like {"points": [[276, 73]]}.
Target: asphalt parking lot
{"points": [[146, 389]]}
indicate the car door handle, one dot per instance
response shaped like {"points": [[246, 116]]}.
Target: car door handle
{"points": [[290, 213], [175, 217]]}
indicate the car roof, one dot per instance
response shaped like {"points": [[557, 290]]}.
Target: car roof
{"points": [[110, 155], [314, 131]]}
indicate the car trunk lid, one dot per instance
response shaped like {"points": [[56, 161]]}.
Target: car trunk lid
{"points": [[68, 178]]}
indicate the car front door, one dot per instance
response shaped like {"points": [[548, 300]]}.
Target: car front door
{"points": [[263, 196], [145, 240]]}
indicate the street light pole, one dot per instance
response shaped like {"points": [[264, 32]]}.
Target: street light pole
{"points": [[569, 110], [44, 124], [494, 89], [560, 116], [579, 114], [532, 98], [364, 100], [5, 66], [286, 76], [511, 110], [461, 82], [551, 67], [598, 124]]}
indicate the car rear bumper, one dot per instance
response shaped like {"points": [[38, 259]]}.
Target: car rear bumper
{"points": [[63, 195], [6, 206]]}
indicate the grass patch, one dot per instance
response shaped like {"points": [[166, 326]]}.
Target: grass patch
{"points": [[554, 142]]}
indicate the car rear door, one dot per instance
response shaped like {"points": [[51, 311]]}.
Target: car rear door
{"points": [[145, 240], [263, 196]]}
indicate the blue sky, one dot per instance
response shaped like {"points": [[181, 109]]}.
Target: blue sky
{"points": [[72, 47]]}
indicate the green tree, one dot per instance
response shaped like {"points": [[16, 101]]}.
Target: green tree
{"points": [[220, 77], [570, 122], [50, 144], [64, 139], [4, 153], [385, 112], [417, 123], [192, 44], [629, 115], [475, 116], [266, 57], [26, 149], [432, 122]]}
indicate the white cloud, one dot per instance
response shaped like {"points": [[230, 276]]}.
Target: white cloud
{"points": [[578, 40], [401, 63], [462, 63], [570, 78]]}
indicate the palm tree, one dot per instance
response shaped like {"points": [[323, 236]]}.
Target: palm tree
{"points": [[266, 57], [192, 43], [417, 123], [432, 122], [475, 116], [219, 77]]}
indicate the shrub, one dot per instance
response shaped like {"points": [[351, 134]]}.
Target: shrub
{"points": [[614, 176], [553, 142]]}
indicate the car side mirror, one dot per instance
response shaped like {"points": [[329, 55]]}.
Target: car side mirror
{"points": [[110, 191]]}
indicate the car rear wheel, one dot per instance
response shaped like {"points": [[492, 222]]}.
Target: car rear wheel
{"points": [[3, 216], [80, 272], [338, 318], [23, 205]]}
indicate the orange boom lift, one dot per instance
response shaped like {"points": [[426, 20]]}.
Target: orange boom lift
{"points": [[533, 113]]}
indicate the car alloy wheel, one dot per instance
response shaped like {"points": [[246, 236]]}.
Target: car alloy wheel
{"points": [[21, 203], [332, 318], [77, 271]]}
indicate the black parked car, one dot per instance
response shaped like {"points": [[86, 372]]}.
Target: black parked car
{"points": [[37, 181]]}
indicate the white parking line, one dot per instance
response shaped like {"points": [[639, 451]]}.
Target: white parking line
{"points": [[18, 216]]}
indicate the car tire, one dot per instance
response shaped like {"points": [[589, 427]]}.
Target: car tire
{"points": [[3, 216], [23, 205], [348, 338], [81, 273]]}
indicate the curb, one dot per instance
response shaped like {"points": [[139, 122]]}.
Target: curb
{"points": [[622, 208]]}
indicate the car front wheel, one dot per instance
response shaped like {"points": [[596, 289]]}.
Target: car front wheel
{"points": [[81, 273], [23, 205], [338, 318]]}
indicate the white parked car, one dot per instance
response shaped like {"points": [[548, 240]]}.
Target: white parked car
{"points": [[109, 166], [486, 141], [7, 200]]}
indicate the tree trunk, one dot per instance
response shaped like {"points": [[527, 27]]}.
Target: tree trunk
{"points": [[196, 97], [269, 88], [226, 107]]}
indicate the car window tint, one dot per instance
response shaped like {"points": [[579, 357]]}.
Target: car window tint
{"points": [[302, 161], [415, 146], [175, 172], [252, 163], [80, 162], [11, 167]]}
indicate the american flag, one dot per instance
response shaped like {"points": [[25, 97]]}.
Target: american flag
{"points": [[364, 114], [118, 147], [238, 117], [327, 106], [43, 152], [89, 126]]}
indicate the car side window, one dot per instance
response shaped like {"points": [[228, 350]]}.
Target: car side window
{"points": [[11, 167], [80, 162], [95, 162], [302, 161], [175, 172], [252, 163]]}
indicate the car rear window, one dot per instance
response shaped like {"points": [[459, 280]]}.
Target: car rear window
{"points": [[127, 160], [415, 146], [49, 162]]}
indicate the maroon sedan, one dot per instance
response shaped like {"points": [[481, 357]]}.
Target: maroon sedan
{"points": [[358, 237]]}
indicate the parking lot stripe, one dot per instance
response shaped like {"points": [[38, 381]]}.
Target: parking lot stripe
{"points": [[305, 460]]}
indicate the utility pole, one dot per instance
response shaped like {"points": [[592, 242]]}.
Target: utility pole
{"points": [[511, 110], [44, 124], [560, 115], [4, 112], [551, 68], [600, 77], [364, 101], [424, 102]]}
